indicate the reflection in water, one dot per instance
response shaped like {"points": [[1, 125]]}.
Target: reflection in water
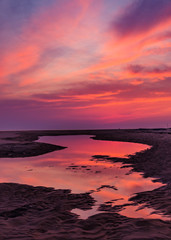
{"points": [[74, 168]]}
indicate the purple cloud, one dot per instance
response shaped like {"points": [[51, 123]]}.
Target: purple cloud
{"points": [[118, 90], [152, 69], [141, 16]]}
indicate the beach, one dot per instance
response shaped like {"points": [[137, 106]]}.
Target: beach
{"points": [[28, 212]]}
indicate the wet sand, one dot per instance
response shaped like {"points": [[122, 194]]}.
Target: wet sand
{"points": [[28, 212]]}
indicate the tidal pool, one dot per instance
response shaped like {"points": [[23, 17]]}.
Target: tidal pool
{"points": [[77, 168]]}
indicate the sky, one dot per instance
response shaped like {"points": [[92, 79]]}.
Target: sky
{"points": [[85, 64]]}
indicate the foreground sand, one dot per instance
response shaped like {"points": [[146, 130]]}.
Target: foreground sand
{"points": [[28, 212]]}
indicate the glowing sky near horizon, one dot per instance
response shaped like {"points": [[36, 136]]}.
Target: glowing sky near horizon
{"points": [[69, 64]]}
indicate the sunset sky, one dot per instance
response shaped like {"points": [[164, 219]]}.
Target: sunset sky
{"points": [[79, 64]]}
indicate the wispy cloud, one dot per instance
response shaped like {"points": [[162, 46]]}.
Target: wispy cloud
{"points": [[149, 69]]}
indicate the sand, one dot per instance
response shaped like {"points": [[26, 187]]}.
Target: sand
{"points": [[28, 212]]}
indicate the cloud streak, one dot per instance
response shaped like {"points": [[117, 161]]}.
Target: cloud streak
{"points": [[136, 69]]}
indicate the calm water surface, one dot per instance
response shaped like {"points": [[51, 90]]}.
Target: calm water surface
{"points": [[74, 168]]}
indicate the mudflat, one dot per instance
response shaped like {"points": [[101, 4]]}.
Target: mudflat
{"points": [[28, 212]]}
